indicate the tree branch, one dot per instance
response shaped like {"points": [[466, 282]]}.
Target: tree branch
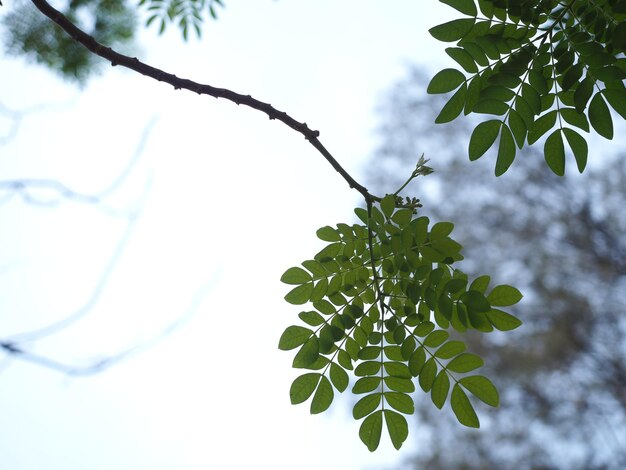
{"points": [[135, 64]]}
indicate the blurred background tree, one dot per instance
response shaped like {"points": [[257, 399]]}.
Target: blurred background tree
{"points": [[562, 375]]}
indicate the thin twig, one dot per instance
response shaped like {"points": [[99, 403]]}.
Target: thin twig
{"points": [[15, 351]]}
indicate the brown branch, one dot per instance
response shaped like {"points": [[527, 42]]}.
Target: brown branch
{"points": [[135, 64]]}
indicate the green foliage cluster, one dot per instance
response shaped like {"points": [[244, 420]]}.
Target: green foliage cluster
{"points": [[187, 13], [27, 32], [539, 66], [387, 305]]}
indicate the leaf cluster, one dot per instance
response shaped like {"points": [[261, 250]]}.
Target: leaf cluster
{"points": [[540, 67], [386, 303], [27, 32], [188, 14]]}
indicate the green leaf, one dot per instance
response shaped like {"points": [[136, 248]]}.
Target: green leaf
{"points": [[441, 230], [328, 252], [366, 405], [445, 81], [578, 144], [339, 377], [399, 384], [450, 349], [367, 368], [616, 98], [371, 429], [323, 396], [475, 301], [440, 389], [453, 107], [361, 214], [396, 427], [463, 58], [483, 138], [328, 234], [366, 384], [502, 320], [295, 276], [402, 217], [495, 107], [452, 30], [308, 353], [315, 267], [506, 151], [325, 307], [600, 117], [455, 285], [482, 388], [369, 352], [300, 295], [293, 337], [427, 374], [311, 318], [416, 362], [504, 296], [575, 118], [302, 388], [462, 408], [480, 284], [400, 402], [541, 126], [388, 205], [554, 153], [518, 127], [397, 369], [465, 362], [466, 7], [582, 94], [436, 338]]}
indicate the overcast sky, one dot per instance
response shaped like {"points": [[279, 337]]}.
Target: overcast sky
{"points": [[218, 203]]}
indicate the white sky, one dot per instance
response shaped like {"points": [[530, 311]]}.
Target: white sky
{"points": [[230, 200]]}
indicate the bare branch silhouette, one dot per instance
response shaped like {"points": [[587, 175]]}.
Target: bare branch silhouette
{"points": [[14, 351], [16, 117], [132, 63], [28, 188]]}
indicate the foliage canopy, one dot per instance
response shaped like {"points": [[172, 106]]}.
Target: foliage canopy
{"points": [[537, 66]]}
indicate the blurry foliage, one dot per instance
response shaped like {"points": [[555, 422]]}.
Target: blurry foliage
{"points": [[187, 13], [111, 22], [563, 242], [27, 32]]}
